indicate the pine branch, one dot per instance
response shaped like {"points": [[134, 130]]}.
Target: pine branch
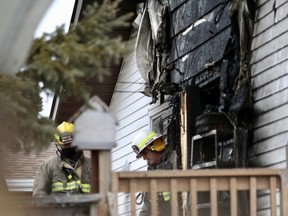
{"points": [[58, 61]]}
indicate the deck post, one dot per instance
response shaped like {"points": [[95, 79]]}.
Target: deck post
{"points": [[94, 130], [284, 191]]}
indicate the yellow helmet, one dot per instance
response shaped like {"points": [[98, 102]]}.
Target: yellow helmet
{"points": [[148, 139], [65, 130]]}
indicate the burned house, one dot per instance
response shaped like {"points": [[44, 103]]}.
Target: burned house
{"points": [[204, 55], [211, 76], [200, 72], [198, 53]]}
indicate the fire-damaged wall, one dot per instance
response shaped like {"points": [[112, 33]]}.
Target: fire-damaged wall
{"points": [[202, 48], [200, 31], [211, 56], [201, 54]]}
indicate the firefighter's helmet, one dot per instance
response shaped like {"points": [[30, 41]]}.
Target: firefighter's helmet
{"points": [[65, 133], [148, 139]]}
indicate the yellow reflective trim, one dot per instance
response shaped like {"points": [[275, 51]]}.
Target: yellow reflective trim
{"points": [[60, 186], [166, 196], [143, 141], [85, 188]]}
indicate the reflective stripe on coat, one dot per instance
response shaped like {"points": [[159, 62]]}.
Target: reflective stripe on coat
{"points": [[57, 176]]}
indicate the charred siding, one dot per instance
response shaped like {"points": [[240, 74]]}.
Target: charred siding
{"points": [[204, 43], [199, 34]]}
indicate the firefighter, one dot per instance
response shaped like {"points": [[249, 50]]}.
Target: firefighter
{"points": [[151, 147], [68, 172]]}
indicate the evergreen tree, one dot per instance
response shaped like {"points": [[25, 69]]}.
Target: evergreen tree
{"points": [[57, 62]]}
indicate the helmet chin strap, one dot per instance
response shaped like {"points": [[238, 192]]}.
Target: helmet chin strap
{"points": [[58, 152]]}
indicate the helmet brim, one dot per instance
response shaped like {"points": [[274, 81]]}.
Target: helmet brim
{"points": [[149, 142]]}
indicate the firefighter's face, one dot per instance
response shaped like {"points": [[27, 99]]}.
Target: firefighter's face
{"points": [[70, 152], [152, 157]]}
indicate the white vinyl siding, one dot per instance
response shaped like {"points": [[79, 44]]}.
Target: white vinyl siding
{"points": [[134, 112], [269, 73], [130, 108]]}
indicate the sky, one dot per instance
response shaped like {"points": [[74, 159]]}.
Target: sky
{"points": [[59, 12]]}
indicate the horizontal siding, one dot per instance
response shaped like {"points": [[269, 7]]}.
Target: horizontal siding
{"points": [[266, 8], [269, 78], [175, 3], [270, 130], [271, 60], [199, 34], [267, 16], [130, 107], [269, 75], [126, 87], [15, 166], [270, 158], [263, 24], [264, 205], [270, 117], [265, 146], [124, 203], [272, 88], [271, 102], [139, 103], [273, 46], [259, 3], [269, 34], [20, 184], [191, 11]]}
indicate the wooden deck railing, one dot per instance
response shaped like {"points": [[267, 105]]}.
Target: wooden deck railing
{"points": [[251, 181]]}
